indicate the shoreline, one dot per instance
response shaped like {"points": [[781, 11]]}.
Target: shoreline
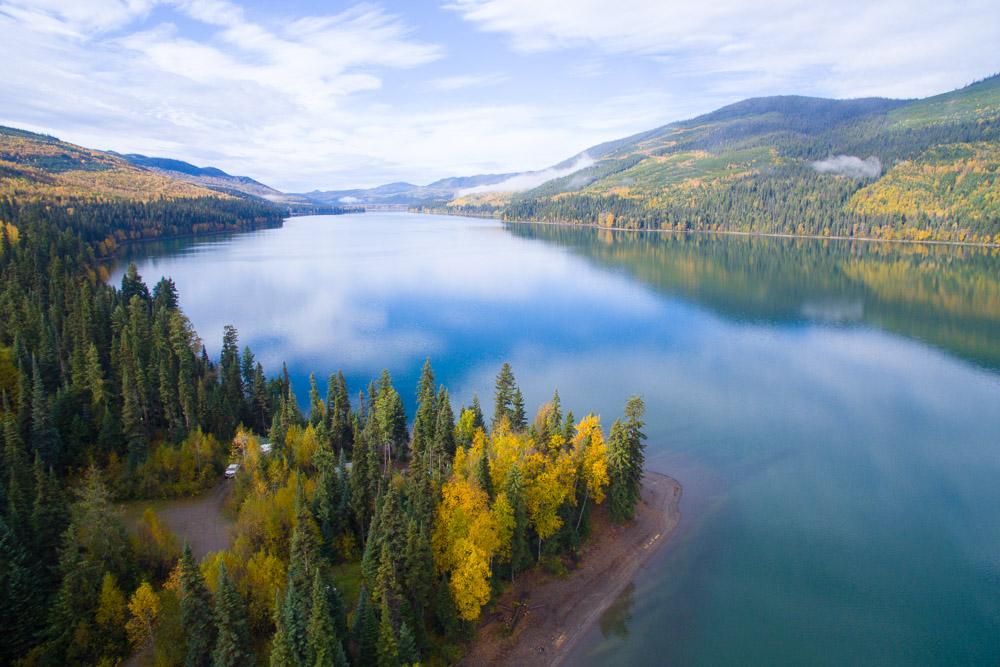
{"points": [[551, 615], [778, 235]]}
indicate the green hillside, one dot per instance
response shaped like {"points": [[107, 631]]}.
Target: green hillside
{"points": [[877, 168], [106, 200]]}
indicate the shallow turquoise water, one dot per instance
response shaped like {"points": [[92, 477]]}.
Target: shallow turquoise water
{"points": [[832, 409]]}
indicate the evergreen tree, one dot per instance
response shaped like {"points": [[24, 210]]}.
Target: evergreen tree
{"points": [[519, 421], [408, 653], [21, 594], [316, 408], [483, 475], [281, 651], [49, 515], [418, 569], [477, 413], [232, 645], [366, 631], [520, 549], [634, 410], [165, 295], [619, 492], [388, 644], [44, 437], [444, 431], [321, 635], [503, 406], [569, 428], [196, 612]]}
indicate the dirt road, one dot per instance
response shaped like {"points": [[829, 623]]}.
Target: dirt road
{"points": [[554, 614], [200, 520]]}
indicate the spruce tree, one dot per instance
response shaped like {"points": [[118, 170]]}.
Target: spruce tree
{"points": [[196, 612], [316, 408], [388, 644], [232, 645], [518, 420], [634, 410], [44, 437], [503, 401], [520, 549], [408, 653], [281, 652], [444, 431], [418, 566], [321, 635], [366, 631], [619, 493]]}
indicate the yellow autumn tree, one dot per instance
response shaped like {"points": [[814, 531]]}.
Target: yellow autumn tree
{"points": [[465, 538], [145, 609]]}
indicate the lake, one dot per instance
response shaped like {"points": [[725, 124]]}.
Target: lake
{"points": [[831, 408]]}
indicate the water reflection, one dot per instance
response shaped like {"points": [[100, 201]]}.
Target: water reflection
{"points": [[948, 296], [615, 621], [837, 448]]}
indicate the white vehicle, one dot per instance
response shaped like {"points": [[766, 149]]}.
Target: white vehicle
{"points": [[231, 470], [265, 448]]}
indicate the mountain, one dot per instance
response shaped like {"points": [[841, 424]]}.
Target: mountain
{"points": [[208, 177], [37, 166], [879, 168], [404, 193], [105, 200]]}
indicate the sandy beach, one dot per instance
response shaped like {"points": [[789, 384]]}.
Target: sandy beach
{"points": [[542, 617]]}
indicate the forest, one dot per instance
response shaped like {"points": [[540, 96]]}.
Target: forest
{"points": [[781, 165], [363, 535]]}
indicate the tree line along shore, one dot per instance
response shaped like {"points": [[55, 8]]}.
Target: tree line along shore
{"points": [[358, 538]]}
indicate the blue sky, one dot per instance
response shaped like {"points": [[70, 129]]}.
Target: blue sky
{"points": [[331, 95]]}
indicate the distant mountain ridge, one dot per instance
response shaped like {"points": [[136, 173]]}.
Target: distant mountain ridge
{"points": [[209, 177], [924, 169]]}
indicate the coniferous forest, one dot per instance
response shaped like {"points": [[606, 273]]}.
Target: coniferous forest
{"points": [[363, 535]]}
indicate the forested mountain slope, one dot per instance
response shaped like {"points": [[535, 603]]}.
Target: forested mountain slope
{"points": [[892, 169], [105, 200]]}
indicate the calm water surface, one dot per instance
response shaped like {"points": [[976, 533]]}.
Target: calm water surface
{"points": [[832, 409]]}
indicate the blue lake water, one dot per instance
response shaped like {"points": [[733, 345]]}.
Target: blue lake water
{"points": [[832, 409]]}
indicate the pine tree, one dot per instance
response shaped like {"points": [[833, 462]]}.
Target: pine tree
{"points": [[503, 406], [483, 475], [20, 596], [296, 619], [619, 491], [418, 566], [444, 431], [569, 428], [518, 421], [44, 437], [49, 515], [477, 413], [316, 408], [408, 653], [281, 652], [388, 645], [232, 645], [366, 631], [520, 549], [322, 637], [634, 410], [196, 612]]}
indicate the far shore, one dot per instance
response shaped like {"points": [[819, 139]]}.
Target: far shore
{"points": [[777, 235], [541, 619]]}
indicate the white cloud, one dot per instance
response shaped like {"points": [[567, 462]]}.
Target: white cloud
{"points": [[849, 165], [450, 83], [348, 200], [531, 179], [842, 47]]}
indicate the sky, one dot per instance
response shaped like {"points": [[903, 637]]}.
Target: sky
{"points": [[304, 95]]}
